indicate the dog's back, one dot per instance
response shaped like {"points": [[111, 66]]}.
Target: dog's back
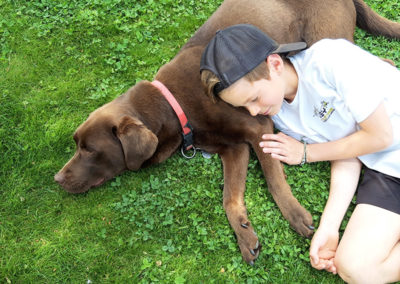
{"points": [[298, 20]]}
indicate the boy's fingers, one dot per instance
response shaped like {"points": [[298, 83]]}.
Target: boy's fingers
{"points": [[314, 259], [270, 144], [319, 266], [270, 137], [279, 157], [332, 269]]}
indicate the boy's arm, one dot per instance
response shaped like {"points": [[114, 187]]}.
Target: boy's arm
{"points": [[344, 179], [375, 134]]}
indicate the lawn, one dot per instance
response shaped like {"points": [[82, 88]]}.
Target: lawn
{"points": [[62, 59]]}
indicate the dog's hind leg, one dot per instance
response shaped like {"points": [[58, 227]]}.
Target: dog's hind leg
{"points": [[235, 160]]}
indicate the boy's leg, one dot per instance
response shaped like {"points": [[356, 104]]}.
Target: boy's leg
{"points": [[369, 251]]}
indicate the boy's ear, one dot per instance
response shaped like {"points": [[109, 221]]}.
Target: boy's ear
{"points": [[275, 63]]}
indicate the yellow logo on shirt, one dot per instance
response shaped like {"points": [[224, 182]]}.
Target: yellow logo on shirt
{"points": [[324, 112]]}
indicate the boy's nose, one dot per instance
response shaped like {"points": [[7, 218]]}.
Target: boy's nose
{"points": [[253, 110]]}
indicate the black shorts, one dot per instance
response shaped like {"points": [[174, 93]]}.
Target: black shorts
{"points": [[380, 190]]}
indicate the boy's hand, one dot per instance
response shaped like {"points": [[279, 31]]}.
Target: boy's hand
{"points": [[283, 148], [323, 250]]}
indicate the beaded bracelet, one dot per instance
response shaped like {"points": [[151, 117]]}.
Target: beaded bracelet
{"points": [[304, 160]]}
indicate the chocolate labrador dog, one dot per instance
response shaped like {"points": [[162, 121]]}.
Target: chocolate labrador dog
{"points": [[140, 128]]}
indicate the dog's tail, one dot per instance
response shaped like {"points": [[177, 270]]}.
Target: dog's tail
{"points": [[369, 20]]}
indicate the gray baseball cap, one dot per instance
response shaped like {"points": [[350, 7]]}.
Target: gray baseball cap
{"points": [[237, 50]]}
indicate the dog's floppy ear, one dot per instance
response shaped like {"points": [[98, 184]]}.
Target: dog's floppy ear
{"points": [[138, 142]]}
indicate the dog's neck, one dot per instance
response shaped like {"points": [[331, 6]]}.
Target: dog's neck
{"points": [[149, 105]]}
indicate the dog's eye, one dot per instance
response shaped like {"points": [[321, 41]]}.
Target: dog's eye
{"points": [[114, 130], [85, 148]]}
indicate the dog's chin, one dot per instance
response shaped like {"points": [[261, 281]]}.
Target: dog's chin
{"points": [[99, 182], [84, 187]]}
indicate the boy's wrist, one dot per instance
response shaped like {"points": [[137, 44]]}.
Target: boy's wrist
{"points": [[328, 224]]}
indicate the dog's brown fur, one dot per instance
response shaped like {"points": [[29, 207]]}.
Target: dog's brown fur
{"points": [[139, 128]]}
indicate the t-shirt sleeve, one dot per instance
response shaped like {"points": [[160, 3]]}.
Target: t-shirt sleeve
{"points": [[360, 78]]}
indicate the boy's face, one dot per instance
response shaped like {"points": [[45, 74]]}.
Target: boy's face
{"points": [[263, 97]]}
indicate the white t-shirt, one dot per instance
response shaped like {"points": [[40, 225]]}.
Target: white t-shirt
{"points": [[340, 85]]}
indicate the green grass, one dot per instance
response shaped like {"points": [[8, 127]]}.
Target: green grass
{"points": [[60, 60]]}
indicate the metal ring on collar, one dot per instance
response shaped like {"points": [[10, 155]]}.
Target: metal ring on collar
{"points": [[186, 156]]}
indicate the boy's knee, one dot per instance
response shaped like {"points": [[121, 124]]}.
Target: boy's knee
{"points": [[346, 271], [352, 269]]}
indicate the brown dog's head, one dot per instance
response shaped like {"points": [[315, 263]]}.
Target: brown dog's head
{"points": [[107, 143]]}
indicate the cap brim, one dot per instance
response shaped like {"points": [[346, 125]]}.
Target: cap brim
{"points": [[288, 47]]}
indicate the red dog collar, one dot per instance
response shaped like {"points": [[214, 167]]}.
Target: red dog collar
{"points": [[186, 127]]}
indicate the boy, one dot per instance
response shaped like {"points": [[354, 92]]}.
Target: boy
{"points": [[343, 104]]}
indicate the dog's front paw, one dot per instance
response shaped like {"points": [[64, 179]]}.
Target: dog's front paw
{"points": [[248, 242], [301, 221]]}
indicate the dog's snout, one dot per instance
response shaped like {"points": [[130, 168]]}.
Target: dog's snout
{"points": [[59, 178]]}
